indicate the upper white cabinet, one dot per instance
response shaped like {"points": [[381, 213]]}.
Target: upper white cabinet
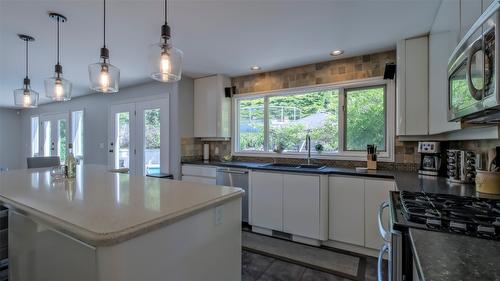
{"points": [[470, 10], [443, 39], [212, 109], [412, 87]]}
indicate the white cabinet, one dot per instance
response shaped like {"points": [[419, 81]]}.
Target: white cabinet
{"points": [[412, 87], [443, 39], [347, 204], [293, 203], [301, 205], [376, 192], [199, 174], [266, 200], [354, 203], [470, 10], [212, 109]]}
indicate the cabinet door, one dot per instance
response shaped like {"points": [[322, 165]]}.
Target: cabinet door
{"points": [[376, 192], [266, 200], [470, 10], [301, 205], [205, 107], [37, 252], [417, 87], [347, 210]]}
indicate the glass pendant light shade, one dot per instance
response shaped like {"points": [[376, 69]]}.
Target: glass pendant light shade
{"points": [[166, 63], [26, 97], [58, 88], [104, 77]]}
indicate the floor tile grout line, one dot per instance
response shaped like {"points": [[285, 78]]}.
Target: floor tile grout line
{"points": [[266, 269]]}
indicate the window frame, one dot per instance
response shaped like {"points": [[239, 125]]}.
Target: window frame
{"points": [[342, 154]]}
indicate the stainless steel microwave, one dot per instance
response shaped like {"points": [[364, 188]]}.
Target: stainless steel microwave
{"points": [[473, 94]]}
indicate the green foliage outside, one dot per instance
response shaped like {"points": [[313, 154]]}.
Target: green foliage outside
{"points": [[460, 96], [152, 123], [365, 122], [62, 140]]}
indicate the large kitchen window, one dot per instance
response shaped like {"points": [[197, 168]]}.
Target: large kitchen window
{"points": [[340, 119]]}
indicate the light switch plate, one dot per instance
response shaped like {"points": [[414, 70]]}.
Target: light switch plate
{"points": [[219, 210]]}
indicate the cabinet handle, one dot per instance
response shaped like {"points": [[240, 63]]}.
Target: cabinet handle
{"points": [[380, 261]]}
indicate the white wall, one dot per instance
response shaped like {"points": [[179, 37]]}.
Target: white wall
{"points": [[96, 108], [10, 134]]}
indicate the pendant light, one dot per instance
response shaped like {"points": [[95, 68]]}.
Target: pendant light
{"points": [[58, 88], [104, 77], [26, 97], [167, 60]]}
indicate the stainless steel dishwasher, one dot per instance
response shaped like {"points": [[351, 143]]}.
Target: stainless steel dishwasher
{"points": [[237, 178]]}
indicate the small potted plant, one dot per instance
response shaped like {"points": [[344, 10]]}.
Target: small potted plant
{"points": [[319, 148], [279, 148]]}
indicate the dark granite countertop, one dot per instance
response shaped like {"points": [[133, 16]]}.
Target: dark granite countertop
{"points": [[408, 181], [443, 256]]}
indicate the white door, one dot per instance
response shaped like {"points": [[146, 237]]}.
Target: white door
{"points": [[54, 135], [266, 200], [347, 210], [301, 205], [152, 136], [138, 137], [121, 146]]}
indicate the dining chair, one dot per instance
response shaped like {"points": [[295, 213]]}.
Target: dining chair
{"points": [[43, 162]]}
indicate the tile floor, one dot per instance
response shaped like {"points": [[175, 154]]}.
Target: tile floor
{"points": [[263, 268]]}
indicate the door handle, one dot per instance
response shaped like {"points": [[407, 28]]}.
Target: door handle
{"points": [[111, 151]]}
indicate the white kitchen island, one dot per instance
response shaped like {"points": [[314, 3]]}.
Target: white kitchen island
{"points": [[111, 226]]}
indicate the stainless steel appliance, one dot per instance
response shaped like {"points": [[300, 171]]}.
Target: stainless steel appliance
{"points": [[430, 158], [236, 178], [461, 165], [473, 94]]}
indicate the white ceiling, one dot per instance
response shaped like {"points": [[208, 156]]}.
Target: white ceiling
{"points": [[217, 36]]}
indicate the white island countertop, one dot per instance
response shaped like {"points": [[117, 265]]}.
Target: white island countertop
{"points": [[104, 208]]}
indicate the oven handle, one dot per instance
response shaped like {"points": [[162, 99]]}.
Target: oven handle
{"points": [[380, 262], [381, 229]]}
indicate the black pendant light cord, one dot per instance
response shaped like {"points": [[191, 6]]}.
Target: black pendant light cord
{"points": [[26, 59], [58, 40], [104, 25], [165, 12]]}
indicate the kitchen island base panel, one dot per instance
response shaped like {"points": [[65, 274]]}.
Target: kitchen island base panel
{"points": [[205, 246]]}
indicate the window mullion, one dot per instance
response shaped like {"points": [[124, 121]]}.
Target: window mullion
{"points": [[266, 123], [341, 120]]}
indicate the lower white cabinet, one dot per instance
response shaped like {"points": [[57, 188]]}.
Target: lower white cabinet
{"points": [[266, 200], [347, 205], [376, 192], [293, 203], [199, 179], [354, 204], [301, 205]]}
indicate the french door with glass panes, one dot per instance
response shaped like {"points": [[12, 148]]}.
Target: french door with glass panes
{"points": [[138, 137], [54, 135]]}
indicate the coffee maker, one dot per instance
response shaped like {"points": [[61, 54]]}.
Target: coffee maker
{"points": [[430, 158]]}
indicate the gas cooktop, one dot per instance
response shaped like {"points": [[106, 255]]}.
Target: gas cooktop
{"points": [[472, 216]]}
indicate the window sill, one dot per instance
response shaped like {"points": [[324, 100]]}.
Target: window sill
{"points": [[353, 156]]}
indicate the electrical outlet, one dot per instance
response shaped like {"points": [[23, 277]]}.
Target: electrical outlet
{"points": [[219, 210]]}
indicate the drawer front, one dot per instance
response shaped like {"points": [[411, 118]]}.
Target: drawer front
{"points": [[199, 179], [200, 171]]}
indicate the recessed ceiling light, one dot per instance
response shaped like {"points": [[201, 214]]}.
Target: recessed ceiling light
{"points": [[337, 52], [255, 67]]}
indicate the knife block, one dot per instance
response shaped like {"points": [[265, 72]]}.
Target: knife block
{"points": [[371, 164]]}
